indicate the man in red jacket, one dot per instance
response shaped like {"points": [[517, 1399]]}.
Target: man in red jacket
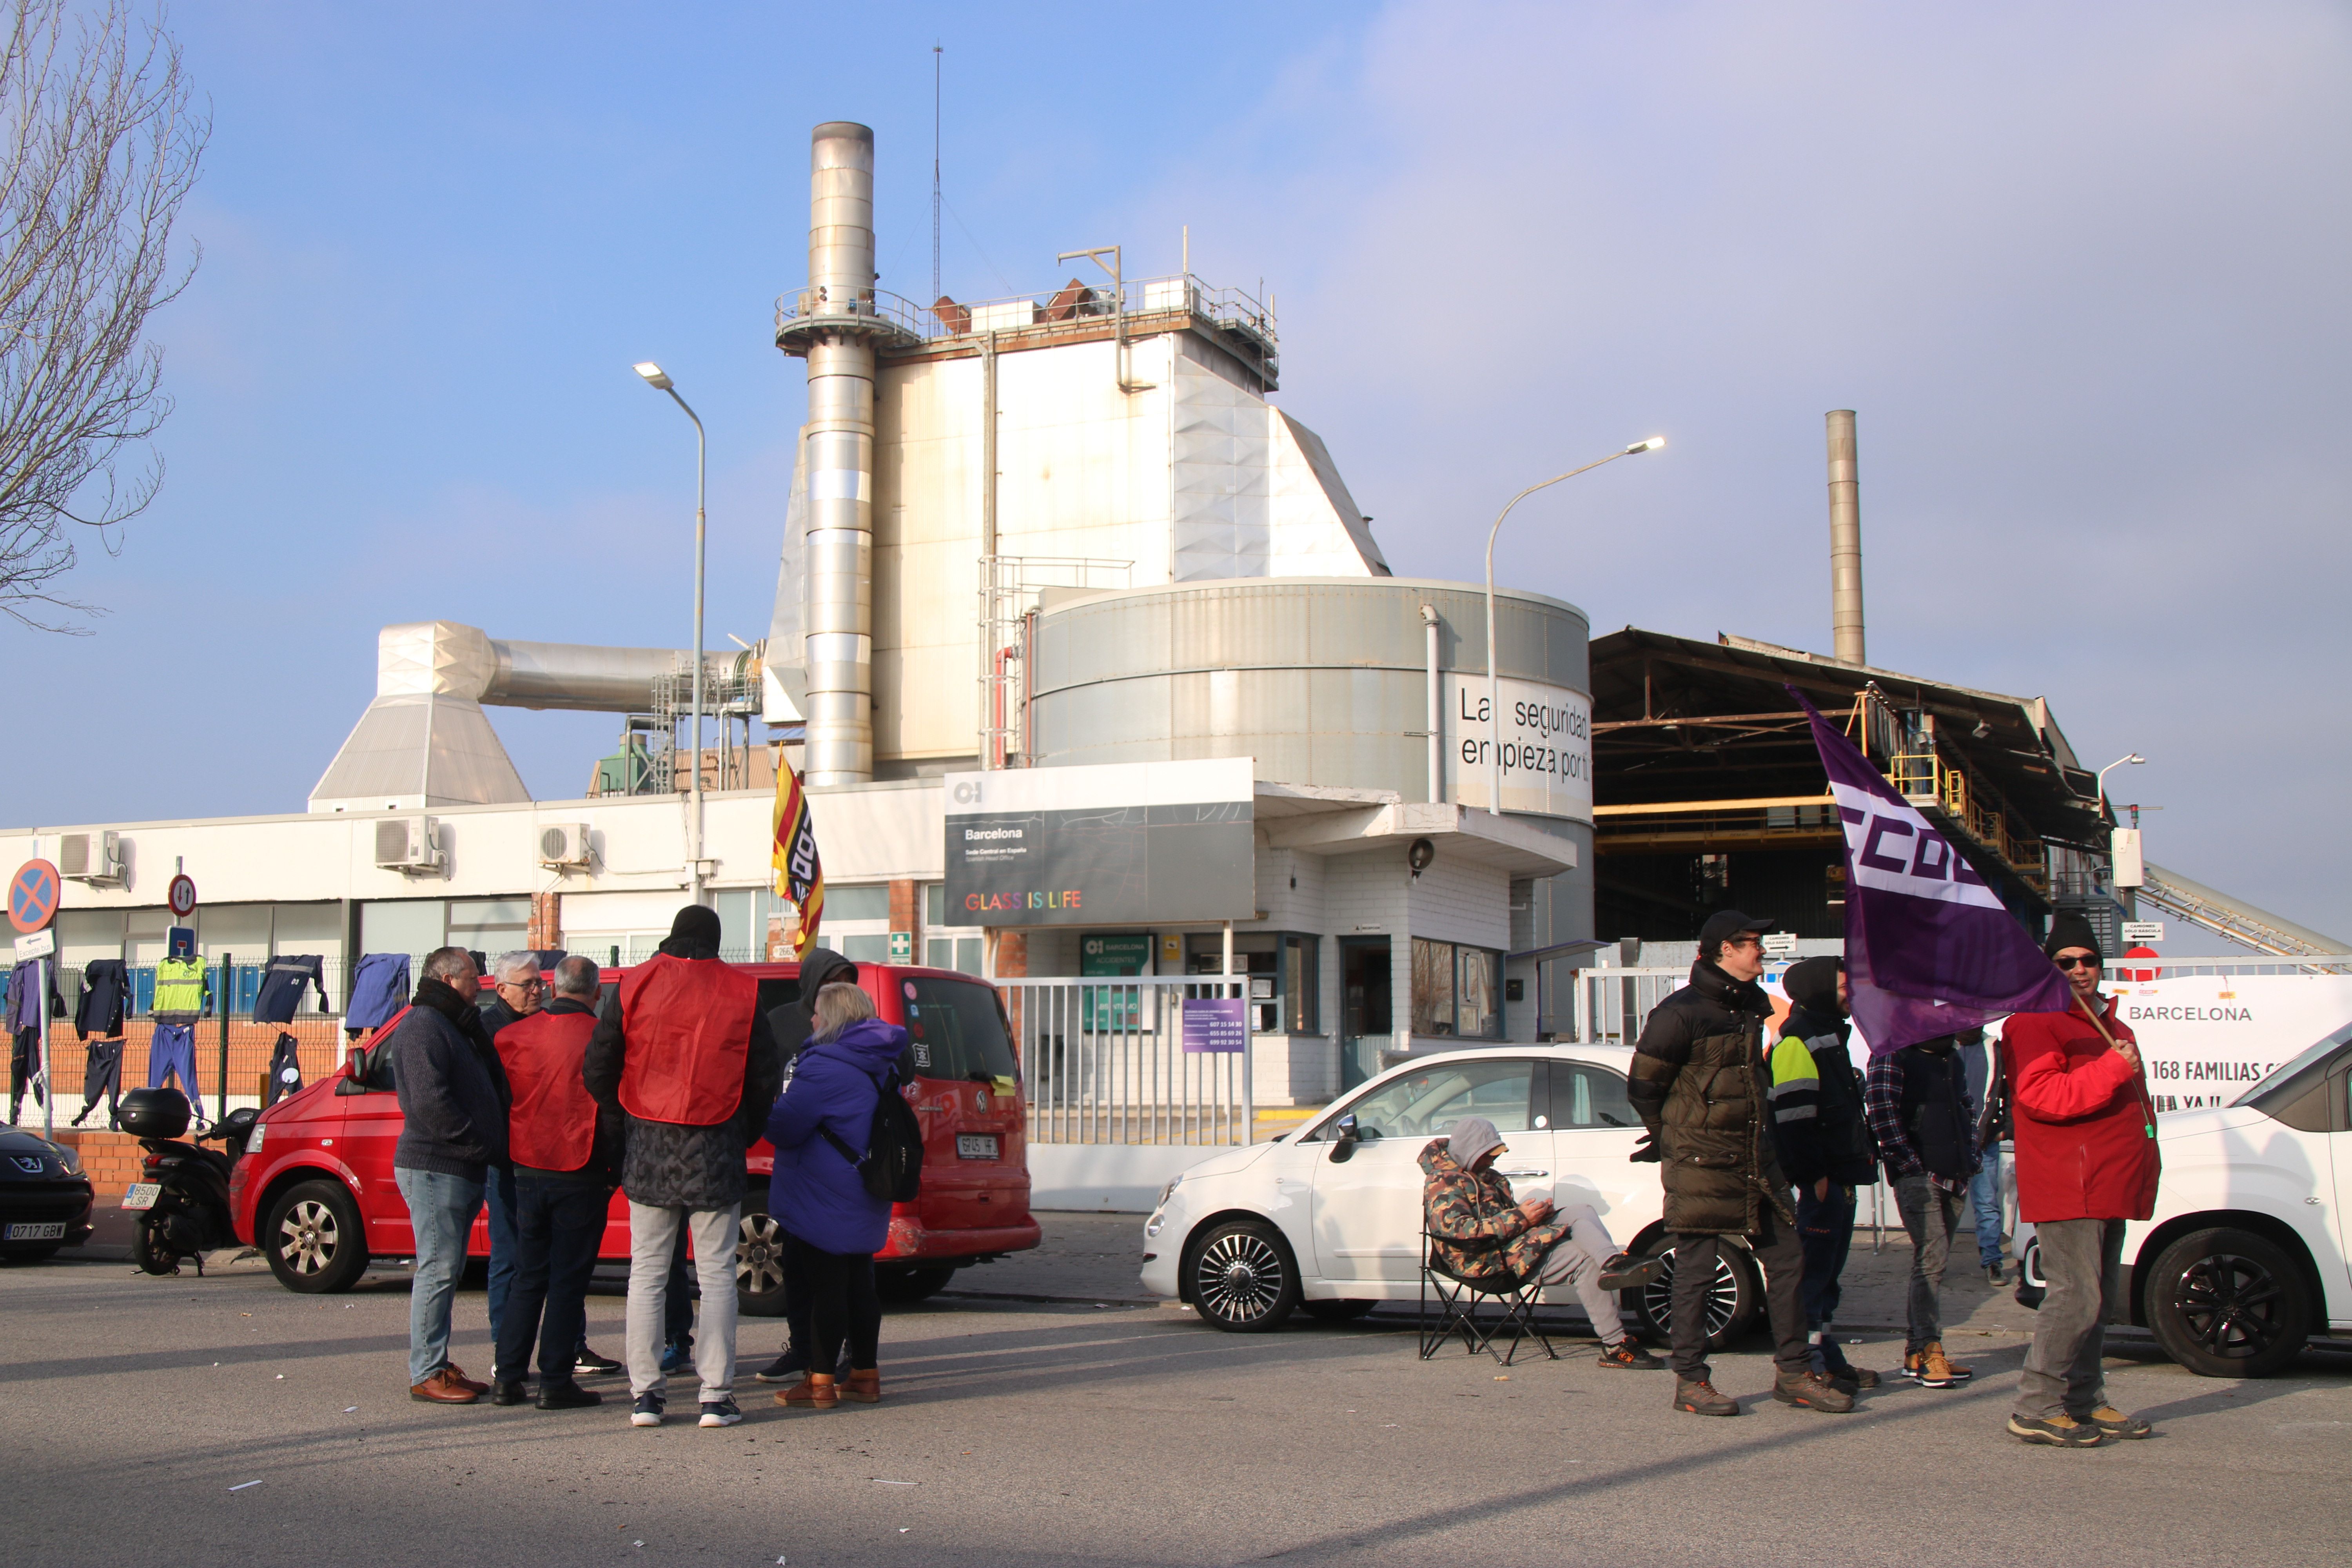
{"points": [[2086, 1163]]}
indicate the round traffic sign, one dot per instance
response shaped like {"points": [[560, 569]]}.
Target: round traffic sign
{"points": [[2141, 975], [183, 896], [33, 896]]}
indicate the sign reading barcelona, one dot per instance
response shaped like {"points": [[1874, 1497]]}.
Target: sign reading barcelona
{"points": [[1124, 843]]}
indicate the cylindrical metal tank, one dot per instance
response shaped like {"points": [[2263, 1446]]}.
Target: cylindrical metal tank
{"points": [[1846, 540], [1323, 681], [839, 628]]}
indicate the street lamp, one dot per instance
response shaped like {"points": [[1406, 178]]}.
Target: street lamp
{"points": [[1494, 684], [660, 382], [2099, 791]]}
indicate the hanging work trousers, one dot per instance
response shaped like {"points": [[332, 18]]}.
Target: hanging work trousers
{"points": [[172, 1053], [285, 1071], [103, 1075], [24, 1071]]}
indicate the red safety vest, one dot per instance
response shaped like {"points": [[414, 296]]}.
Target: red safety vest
{"points": [[552, 1126], [687, 1022]]}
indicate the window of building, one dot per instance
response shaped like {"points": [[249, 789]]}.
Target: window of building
{"points": [[1457, 990], [945, 944], [856, 923], [1285, 978]]}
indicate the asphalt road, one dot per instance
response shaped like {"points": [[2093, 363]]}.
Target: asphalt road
{"points": [[1024, 1422]]}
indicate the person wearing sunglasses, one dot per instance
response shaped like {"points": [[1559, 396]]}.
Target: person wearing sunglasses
{"points": [[2086, 1163]]}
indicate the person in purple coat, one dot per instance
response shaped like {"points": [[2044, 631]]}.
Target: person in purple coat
{"points": [[832, 1225]]}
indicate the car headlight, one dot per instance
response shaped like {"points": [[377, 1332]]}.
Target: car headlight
{"points": [[68, 1157], [253, 1139], [1173, 1183], [1155, 1225]]}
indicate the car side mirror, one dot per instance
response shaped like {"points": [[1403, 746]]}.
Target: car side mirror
{"points": [[1343, 1147]]}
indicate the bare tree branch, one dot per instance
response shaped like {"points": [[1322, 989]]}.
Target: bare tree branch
{"points": [[100, 145]]}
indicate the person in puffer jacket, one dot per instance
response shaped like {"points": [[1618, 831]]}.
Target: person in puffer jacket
{"points": [[1825, 1146], [833, 1226]]}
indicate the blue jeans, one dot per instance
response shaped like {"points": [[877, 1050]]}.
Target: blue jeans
{"points": [[1825, 1231], [441, 1210], [499, 1193], [558, 1225], [1984, 1195]]}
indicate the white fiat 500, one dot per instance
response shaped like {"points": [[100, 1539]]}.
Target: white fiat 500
{"points": [[1328, 1218]]}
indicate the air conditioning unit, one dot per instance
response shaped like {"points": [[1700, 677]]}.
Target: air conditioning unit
{"points": [[95, 858], [564, 845], [409, 845]]}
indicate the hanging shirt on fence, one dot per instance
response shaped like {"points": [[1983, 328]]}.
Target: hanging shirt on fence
{"points": [[105, 987], [184, 991], [283, 983], [379, 990], [25, 995]]}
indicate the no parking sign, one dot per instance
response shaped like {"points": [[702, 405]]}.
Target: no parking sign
{"points": [[33, 895]]}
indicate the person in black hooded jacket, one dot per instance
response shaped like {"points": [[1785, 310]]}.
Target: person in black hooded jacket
{"points": [[792, 1023], [1825, 1145]]}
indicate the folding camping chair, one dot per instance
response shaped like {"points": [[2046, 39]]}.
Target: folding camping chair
{"points": [[1457, 1301]]}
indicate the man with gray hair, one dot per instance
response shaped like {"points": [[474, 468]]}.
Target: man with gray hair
{"points": [[1480, 1232], [516, 994]]}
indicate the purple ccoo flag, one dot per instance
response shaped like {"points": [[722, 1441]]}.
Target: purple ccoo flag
{"points": [[1930, 950]]}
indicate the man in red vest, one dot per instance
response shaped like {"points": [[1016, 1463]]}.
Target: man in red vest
{"points": [[566, 1151], [684, 1050], [2086, 1163]]}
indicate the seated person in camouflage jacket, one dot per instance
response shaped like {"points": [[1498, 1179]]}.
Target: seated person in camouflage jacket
{"points": [[1480, 1234]]}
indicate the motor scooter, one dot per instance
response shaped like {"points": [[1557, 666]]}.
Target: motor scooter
{"points": [[182, 1199]]}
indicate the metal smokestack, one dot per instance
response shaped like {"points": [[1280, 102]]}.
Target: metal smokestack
{"points": [[839, 306], [1845, 542]]}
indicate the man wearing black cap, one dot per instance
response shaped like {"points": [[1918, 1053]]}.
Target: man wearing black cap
{"points": [[1701, 1085], [683, 1048], [2086, 1163]]}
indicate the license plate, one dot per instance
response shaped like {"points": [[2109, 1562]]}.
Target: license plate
{"points": [[141, 1194], [52, 1231], [976, 1146]]}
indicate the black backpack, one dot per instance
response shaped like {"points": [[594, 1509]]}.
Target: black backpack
{"points": [[893, 1166]]}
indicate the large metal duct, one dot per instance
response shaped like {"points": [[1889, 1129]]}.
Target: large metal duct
{"points": [[1845, 542], [839, 306]]}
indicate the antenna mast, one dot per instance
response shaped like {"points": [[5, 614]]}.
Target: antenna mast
{"points": [[935, 171]]}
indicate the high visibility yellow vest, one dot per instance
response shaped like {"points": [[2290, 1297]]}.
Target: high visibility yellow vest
{"points": [[179, 985]]}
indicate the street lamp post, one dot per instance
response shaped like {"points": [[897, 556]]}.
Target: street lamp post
{"points": [[2099, 790], [656, 379], [1494, 683]]}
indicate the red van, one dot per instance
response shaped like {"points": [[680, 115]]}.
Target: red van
{"points": [[315, 1190]]}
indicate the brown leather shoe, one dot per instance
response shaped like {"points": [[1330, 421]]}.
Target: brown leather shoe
{"points": [[1959, 1373], [865, 1387], [817, 1391], [458, 1373], [441, 1388]]}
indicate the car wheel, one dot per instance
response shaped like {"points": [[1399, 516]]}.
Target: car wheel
{"points": [[1732, 1302], [760, 1266], [310, 1235], [2229, 1303], [1243, 1279], [1336, 1311], [904, 1285]]}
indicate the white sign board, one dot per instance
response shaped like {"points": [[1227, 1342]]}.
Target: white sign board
{"points": [[36, 944], [2143, 931], [1547, 738], [1780, 943]]}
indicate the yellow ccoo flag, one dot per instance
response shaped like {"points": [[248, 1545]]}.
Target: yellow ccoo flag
{"points": [[799, 873]]}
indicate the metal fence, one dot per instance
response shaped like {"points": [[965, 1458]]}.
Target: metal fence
{"points": [[1106, 1061]]}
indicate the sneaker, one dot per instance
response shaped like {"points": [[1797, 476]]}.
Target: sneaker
{"points": [[1701, 1399], [2058, 1432], [1959, 1373], [2113, 1423], [595, 1365], [720, 1411], [1928, 1369], [1625, 1355], [566, 1395], [678, 1356], [1811, 1391], [646, 1411], [1626, 1273], [510, 1391], [786, 1368], [1993, 1275]]}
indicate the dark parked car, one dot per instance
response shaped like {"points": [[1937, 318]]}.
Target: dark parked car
{"points": [[44, 1196]]}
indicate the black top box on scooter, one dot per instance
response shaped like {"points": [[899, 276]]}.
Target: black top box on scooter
{"points": [[153, 1113]]}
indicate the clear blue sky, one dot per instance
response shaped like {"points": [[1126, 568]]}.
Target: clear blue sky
{"points": [[2080, 268]]}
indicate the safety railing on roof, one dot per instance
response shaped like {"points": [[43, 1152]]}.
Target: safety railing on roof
{"points": [[1229, 309]]}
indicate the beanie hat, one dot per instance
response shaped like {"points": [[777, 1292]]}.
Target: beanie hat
{"points": [[697, 923], [2072, 931]]}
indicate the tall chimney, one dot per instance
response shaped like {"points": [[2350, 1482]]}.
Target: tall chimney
{"points": [[1845, 542], [839, 309]]}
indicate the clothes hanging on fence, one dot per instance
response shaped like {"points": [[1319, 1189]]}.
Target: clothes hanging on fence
{"points": [[25, 1072], [285, 1071], [102, 1074], [379, 989], [25, 995], [183, 990], [172, 1053], [283, 983], [105, 987]]}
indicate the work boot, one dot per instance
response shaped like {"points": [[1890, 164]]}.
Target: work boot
{"points": [[510, 1391], [567, 1396], [1959, 1373], [1811, 1391], [2057, 1432], [1701, 1399], [2113, 1423], [864, 1387], [1627, 1356], [442, 1389], [817, 1390]]}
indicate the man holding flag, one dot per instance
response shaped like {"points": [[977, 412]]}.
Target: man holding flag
{"points": [[1931, 950]]}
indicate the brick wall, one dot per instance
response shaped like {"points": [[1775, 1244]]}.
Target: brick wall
{"points": [[113, 1159]]}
